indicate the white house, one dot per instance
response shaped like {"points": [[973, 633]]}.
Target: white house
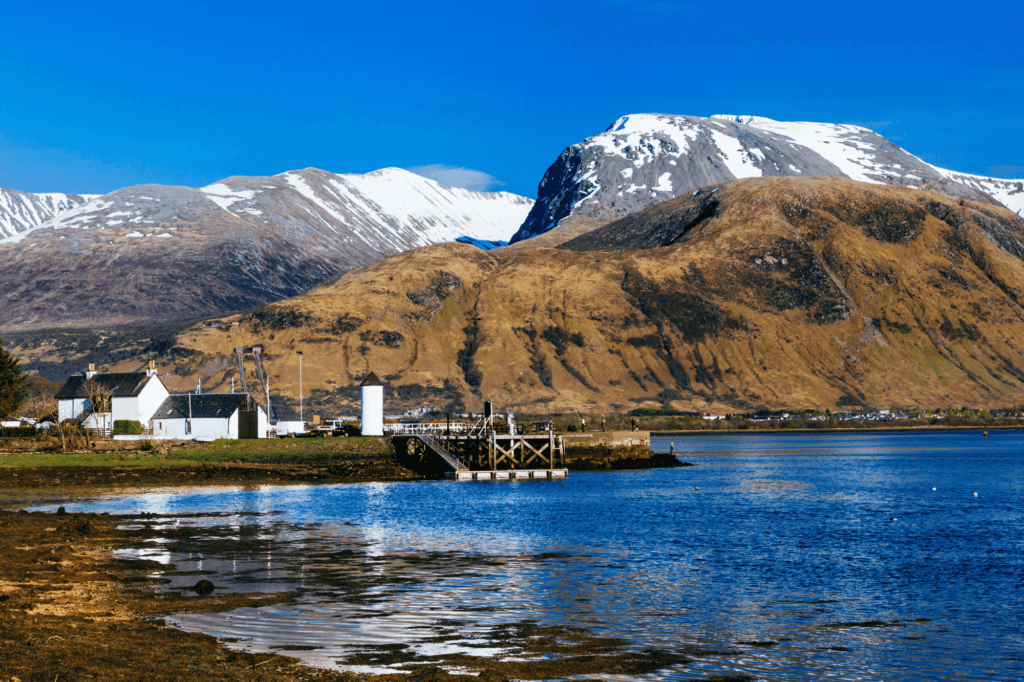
{"points": [[210, 415], [133, 396]]}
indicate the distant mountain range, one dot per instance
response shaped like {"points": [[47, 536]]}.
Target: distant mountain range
{"points": [[154, 253], [779, 293], [644, 159]]}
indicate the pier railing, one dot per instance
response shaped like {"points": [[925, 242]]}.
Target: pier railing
{"points": [[415, 428], [438, 447]]}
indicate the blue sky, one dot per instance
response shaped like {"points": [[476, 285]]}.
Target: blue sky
{"points": [[98, 96]]}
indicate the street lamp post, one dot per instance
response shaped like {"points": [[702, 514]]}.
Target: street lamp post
{"points": [[300, 387]]}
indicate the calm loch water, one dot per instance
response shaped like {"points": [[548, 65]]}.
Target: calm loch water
{"points": [[852, 557]]}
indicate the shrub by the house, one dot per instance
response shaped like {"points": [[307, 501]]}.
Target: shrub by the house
{"points": [[128, 427]]}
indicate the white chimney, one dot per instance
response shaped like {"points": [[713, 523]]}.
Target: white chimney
{"points": [[91, 372], [151, 369]]}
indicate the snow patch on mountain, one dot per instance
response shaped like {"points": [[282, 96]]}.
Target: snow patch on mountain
{"points": [[21, 211]]}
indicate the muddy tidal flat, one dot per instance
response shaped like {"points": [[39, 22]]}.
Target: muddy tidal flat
{"points": [[78, 600]]}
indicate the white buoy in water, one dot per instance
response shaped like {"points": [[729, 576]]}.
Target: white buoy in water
{"points": [[975, 494], [933, 489]]}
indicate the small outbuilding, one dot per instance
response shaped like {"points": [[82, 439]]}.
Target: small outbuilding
{"points": [[210, 415]]}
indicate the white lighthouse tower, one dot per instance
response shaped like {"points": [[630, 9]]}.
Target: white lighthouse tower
{"points": [[373, 406]]}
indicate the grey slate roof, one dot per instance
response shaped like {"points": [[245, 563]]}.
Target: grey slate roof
{"points": [[371, 380], [125, 385], [204, 405]]}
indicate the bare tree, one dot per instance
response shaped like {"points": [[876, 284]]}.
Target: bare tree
{"points": [[39, 407], [98, 395], [99, 402]]}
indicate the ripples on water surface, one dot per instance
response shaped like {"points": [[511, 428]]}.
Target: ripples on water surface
{"points": [[799, 557]]}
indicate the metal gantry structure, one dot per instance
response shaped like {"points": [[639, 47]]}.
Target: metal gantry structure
{"points": [[264, 381]]}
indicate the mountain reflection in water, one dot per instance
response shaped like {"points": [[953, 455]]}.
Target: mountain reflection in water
{"points": [[782, 557]]}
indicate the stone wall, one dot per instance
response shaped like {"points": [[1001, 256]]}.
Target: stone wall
{"points": [[612, 439]]}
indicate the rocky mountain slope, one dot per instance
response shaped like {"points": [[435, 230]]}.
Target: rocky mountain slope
{"points": [[644, 159], [155, 253], [764, 292], [21, 211]]}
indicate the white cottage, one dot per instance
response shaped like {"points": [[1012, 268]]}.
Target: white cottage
{"points": [[133, 396], [210, 415]]}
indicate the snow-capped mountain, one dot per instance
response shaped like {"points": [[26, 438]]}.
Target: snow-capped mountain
{"points": [[20, 211], [155, 253], [391, 209], [644, 159]]}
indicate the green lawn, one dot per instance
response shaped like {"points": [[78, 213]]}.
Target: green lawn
{"points": [[292, 451]]}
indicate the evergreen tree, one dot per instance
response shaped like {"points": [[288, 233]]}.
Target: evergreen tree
{"points": [[12, 384]]}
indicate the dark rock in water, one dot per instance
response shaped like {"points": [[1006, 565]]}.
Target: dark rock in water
{"points": [[61, 511], [687, 464], [204, 587]]}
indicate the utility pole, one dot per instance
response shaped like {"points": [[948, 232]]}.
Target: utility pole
{"points": [[300, 386]]}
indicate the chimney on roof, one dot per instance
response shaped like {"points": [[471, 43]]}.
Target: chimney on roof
{"points": [[91, 372], [151, 369]]}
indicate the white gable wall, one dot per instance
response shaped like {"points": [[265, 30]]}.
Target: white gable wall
{"points": [[153, 394], [140, 408]]}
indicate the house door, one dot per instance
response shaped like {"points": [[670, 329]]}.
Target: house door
{"points": [[248, 424]]}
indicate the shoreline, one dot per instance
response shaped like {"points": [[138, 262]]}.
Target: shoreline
{"points": [[58, 477], [302, 461], [71, 609], [785, 432]]}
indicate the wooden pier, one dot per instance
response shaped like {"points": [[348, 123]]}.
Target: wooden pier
{"points": [[486, 456]]}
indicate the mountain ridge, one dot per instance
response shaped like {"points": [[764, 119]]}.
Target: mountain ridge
{"points": [[643, 159], [154, 253]]}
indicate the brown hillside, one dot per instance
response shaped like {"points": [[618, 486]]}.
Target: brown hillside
{"points": [[774, 292]]}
